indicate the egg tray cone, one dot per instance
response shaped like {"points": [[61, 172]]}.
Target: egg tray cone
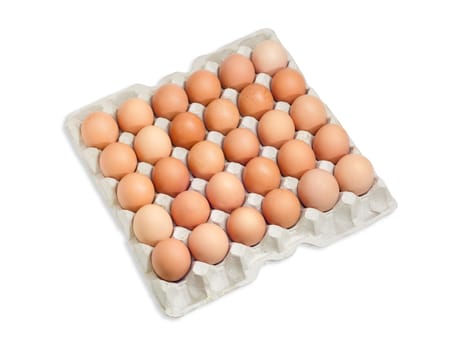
{"points": [[207, 282]]}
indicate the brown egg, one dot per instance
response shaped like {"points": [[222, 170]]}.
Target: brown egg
{"points": [[275, 128], [246, 225], [318, 189], [190, 209], [205, 159], [186, 129], [255, 100], [221, 115], [171, 259], [281, 207], [208, 243], [240, 145], [236, 72], [134, 114], [287, 84], [151, 144], [225, 192], [117, 160], [331, 143], [152, 224], [295, 158], [169, 100], [354, 173], [203, 87], [308, 113], [261, 175], [170, 176], [99, 129], [269, 56], [134, 191]]}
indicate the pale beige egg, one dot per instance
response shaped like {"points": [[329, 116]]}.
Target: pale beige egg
{"points": [[151, 144], [152, 224], [269, 56]]}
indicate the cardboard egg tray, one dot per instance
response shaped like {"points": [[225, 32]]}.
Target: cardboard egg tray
{"points": [[206, 282]]}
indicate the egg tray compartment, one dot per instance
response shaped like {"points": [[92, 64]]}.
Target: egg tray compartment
{"points": [[206, 282]]}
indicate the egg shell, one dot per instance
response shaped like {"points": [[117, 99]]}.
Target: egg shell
{"points": [[225, 192], [208, 243], [331, 143], [269, 56], [255, 100], [261, 175], [308, 113], [221, 115], [151, 144], [99, 129], [318, 189], [170, 176], [281, 207], [203, 87], [169, 100], [295, 157], [186, 129], [152, 224], [275, 128], [205, 159], [288, 84], [354, 173], [134, 191], [117, 160], [240, 145], [246, 225], [171, 260], [134, 114], [236, 72], [189, 209]]}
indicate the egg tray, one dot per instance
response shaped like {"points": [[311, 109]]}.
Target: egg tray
{"points": [[206, 282]]}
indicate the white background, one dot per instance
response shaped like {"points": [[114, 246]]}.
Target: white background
{"points": [[389, 73]]}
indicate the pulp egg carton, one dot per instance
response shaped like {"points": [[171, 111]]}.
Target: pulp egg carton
{"points": [[206, 282]]}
